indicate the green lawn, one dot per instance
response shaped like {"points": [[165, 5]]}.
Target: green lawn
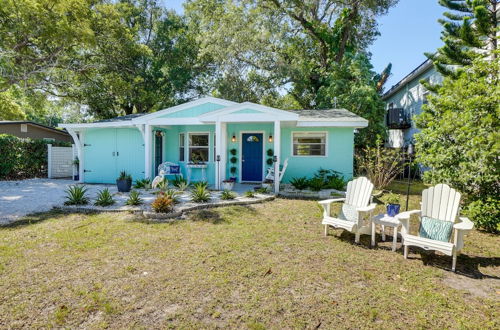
{"points": [[264, 266]]}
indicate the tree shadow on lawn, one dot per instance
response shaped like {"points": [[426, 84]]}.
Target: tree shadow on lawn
{"points": [[33, 218]]}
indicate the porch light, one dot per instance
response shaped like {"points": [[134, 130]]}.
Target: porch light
{"points": [[159, 133], [270, 138], [233, 139]]}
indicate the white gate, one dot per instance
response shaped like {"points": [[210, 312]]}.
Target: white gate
{"points": [[60, 162]]}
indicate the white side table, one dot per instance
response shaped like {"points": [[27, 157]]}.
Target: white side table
{"points": [[386, 221]]}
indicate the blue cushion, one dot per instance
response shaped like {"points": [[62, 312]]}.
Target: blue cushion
{"points": [[435, 229]]}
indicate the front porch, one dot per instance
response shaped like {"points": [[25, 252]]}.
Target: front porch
{"points": [[238, 151]]}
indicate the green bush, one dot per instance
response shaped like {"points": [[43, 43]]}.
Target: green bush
{"points": [[249, 194], [299, 183], [76, 195], [227, 195], [316, 184], [142, 184], [104, 198], [485, 214], [134, 199], [179, 182], [200, 194], [22, 158]]}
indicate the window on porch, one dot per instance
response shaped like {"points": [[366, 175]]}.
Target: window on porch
{"points": [[181, 147], [198, 147]]}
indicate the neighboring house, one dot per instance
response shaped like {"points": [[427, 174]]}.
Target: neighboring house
{"points": [[29, 129], [208, 129], [404, 100]]}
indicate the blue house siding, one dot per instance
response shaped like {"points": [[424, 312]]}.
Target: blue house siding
{"points": [[340, 141]]}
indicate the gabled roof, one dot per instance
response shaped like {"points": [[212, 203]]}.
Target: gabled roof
{"points": [[228, 111], [408, 78]]}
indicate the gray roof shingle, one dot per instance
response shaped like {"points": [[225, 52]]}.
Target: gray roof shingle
{"points": [[122, 118], [322, 115]]}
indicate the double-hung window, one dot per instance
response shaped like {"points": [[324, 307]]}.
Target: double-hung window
{"points": [[309, 143], [182, 149], [198, 147]]}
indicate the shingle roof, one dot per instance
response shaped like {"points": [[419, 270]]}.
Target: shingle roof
{"points": [[122, 118], [60, 131], [322, 115]]}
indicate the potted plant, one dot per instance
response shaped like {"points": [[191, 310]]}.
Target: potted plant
{"points": [[124, 182], [393, 206], [76, 163], [227, 184]]}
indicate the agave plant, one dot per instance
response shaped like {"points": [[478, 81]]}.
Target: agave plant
{"points": [[104, 198], [134, 199], [203, 184], [227, 195], [200, 194], [142, 184], [178, 181], [163, 185], [249, 194], [76, 195], [182, 186], [172, 194]]}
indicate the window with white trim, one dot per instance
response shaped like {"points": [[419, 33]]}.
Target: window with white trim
{"points": [[309, 144], [181, 147], [198, 147]]}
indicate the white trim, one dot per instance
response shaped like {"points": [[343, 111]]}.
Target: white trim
{"points": [[78, 137], [310, 132], [175, 121], [179, 146], [183, 106], [277, 153], [162, 148], [147, 151], [49, 161], [240, 172], [127, 123], [268, 114], [329, 123]]}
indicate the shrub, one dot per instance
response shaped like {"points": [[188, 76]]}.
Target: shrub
{"points": [[76, 195], [203, 184], [179, 181], [233, 151], [162, 204], [200, 194], [316, 184], [233, 160], [104, 198], [182, 186], [23, 158], [269, 161], [381, 165], [233, 170], [249, 194], [299, 183], [162, 185], [227, 194], [485, 214], [134, 199], [172, 194], [142, 184], [270, 152], [262, 190]]}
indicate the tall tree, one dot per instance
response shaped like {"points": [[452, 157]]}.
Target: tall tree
{"points": [[460, 139], [470, 30]]}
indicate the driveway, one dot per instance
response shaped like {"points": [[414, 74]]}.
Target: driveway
{"points": [[19, 198]]}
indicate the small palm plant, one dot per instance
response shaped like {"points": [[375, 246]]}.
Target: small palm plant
{"points": [[249, 194], [203, 184], [172, 194], [104, 198], [134, 199], [227, 195], [200, 194], [182, 186], [76, 195]]}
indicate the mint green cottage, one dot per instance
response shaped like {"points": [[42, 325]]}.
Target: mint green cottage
{"points": [[214, 140]]}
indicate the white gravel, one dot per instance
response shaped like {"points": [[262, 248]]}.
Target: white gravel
{"points": [[19, 198]]}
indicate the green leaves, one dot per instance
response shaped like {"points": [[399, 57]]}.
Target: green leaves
{"points": [[460, 138]]}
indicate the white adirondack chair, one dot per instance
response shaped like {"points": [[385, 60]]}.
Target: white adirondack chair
{"points": [[270, 171], [442, 203], [356, 208]]}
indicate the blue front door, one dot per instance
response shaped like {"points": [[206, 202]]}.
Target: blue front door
{"points": [[251, 157]]}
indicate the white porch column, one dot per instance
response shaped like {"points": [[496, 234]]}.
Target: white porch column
{"points": [[218, 145], [277, 153], [78, 138], [223, 151], [147, 151]]}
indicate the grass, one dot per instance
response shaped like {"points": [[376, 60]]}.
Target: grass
{"points": [[265, 266]]}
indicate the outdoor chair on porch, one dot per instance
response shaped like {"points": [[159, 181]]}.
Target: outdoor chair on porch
{"points": [[439, 229], [356, 212], [270, 171], [164, 169]]}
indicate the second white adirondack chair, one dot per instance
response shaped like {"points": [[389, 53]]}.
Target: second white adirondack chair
{"points": [[356, 211], [440, 206], [270, 171]]}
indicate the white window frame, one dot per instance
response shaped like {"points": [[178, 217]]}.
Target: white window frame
{"points": [[187, 159], [312, 133]]}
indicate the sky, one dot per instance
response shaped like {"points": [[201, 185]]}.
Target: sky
{"points": [[408, 31]]}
